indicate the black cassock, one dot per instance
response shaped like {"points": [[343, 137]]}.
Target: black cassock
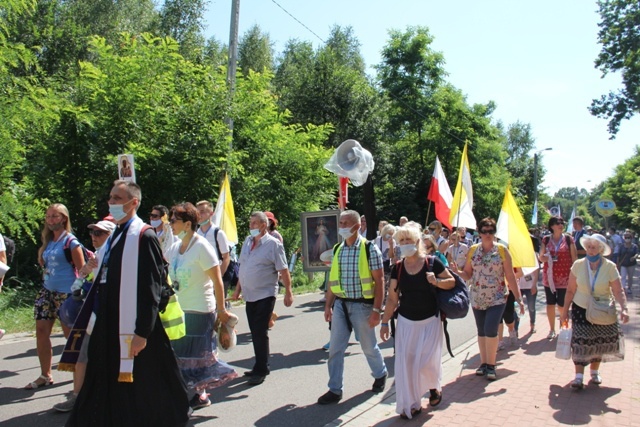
{"points": [[157, 396]]}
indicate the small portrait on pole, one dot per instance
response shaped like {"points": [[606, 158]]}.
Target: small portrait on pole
{"points": [[126, 168]]}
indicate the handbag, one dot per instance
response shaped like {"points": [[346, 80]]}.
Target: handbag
{"points": [[563, 346], [600, 311]]}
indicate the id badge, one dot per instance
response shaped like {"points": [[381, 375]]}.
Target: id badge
{"points": [[528, 278], [103, 275], [176, 285]]}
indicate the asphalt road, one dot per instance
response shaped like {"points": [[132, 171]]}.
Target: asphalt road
{"points": [[287, 397]]}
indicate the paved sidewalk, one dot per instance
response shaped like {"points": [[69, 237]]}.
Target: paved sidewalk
{"points": [[532, 388]]}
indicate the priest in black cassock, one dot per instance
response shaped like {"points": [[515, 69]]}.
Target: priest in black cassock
{"points": [[132, 376]]}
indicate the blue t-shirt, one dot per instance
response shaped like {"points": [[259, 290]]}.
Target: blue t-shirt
{"points": [[59, 274]]}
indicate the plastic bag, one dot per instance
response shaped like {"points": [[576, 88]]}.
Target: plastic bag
{"points": [[563, 346]]}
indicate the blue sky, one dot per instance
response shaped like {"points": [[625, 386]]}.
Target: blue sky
{"points": [[534, 59]]}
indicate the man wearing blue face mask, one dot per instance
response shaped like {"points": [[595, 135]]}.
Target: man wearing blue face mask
{"points": [[261, 259], [354, 302]]}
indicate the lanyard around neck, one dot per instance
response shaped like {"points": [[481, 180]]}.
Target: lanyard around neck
{"points": [[592, 277]]}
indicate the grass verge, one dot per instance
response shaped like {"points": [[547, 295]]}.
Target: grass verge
{"points": [[16, 302]]}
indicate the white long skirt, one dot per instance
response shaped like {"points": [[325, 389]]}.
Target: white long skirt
{"points": [[418, 364]]}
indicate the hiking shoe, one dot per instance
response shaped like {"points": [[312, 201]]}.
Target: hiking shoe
{"points": [[379, 383], [197, 402], [552, 335], [67, 405], [596, 379], [482, 370], [577, 384], [329, 397], [491, 373]]}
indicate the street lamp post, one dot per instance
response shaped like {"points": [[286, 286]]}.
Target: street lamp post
{"points": [[534, 220]]}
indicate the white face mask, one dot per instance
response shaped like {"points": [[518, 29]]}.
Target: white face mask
{"points": [[345, 233], [386, 237], [408, 250], [155, 223]]}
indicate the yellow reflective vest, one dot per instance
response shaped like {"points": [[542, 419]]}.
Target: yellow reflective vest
{"points": [[366, 281]]}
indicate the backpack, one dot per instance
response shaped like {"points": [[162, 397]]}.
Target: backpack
{"points": [[167, 290], [233, 270], [10, 249], [452, 303], [86, 253]]}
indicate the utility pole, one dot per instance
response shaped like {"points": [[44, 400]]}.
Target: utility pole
{"points": [[233, 62]]}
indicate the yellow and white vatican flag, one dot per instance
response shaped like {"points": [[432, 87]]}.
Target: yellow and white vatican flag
{"points": [[462, 205], [224, 216], [513, 230]]}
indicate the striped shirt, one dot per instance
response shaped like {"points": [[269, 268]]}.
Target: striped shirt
{"points": [[348, 264]]}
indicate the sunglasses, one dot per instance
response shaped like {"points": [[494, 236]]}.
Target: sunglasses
{"points": [[490, 231], [97, 233], [154, 216], [172, 220]]}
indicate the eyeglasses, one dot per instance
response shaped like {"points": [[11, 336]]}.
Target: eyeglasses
{"points": [[432, 229], [172, 220], [97, 233], [154, 216], [490, 231]]}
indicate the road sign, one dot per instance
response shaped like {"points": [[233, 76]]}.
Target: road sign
{"points": [[605, 207]]}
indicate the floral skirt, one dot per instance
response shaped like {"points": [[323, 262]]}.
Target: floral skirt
{"points": [[594, 343], [197, 356]]}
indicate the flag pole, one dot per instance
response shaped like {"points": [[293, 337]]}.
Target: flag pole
{"points": [[426, 221]]}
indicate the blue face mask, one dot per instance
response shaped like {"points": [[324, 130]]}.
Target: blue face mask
{"points": [[593, 258], [117, 211], [205, 222], [254, 232]]}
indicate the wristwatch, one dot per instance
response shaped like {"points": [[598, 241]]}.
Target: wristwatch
{"points": [[377, 310]]}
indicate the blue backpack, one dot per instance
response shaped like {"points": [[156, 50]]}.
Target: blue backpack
{"points": [[453, 303]]}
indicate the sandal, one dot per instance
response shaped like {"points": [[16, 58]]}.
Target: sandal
{"points": [[435, 397], [414, 412], [35, 385]]}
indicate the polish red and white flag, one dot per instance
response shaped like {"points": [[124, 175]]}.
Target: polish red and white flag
{"points": [[440, 195]]}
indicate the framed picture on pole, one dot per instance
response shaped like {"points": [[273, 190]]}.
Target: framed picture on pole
{"points": [[319, 235]]}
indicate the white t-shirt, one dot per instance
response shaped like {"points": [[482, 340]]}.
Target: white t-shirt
{"points": [[194, 287], [459, 254], [223, 243], [3, 248]]}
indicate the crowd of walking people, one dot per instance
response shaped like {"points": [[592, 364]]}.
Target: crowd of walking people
{"points": [[125, 364]]}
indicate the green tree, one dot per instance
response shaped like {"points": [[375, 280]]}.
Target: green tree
{"points": [[182, 20], [255, 51], [619, 36]]}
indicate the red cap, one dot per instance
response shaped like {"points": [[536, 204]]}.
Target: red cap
{"points": [[271, 217]]}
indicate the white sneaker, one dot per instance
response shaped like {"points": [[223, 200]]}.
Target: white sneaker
{"points": [[502, 344], [513, 338], [2, 331], [596, 379], [552, 335], [67, 405]]}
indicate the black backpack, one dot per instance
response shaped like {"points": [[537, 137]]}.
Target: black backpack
{"points": [[233, 270], [10, 249], [67, 250]]}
